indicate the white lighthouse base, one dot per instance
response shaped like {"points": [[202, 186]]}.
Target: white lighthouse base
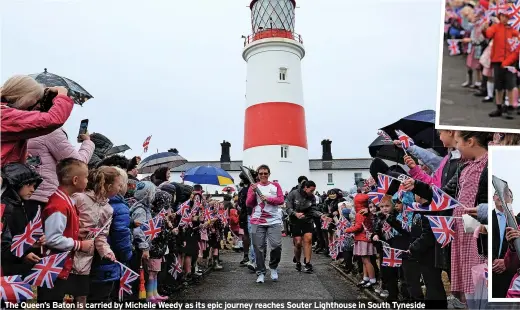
{"points": [[284, 170]]}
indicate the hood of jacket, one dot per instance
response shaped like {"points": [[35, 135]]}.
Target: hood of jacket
{"points": [[360, 202], [15, 176]]}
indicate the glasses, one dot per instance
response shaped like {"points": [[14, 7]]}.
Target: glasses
{"points": [[263, 173]]}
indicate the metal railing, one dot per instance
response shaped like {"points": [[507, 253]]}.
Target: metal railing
{"points": [[272, 33]]}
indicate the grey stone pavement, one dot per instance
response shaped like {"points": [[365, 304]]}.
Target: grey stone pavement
{"points": [[458, 105], [235, 283]]}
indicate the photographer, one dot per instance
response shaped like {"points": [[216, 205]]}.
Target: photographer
{"points": [[29, 112], [46, 152]]}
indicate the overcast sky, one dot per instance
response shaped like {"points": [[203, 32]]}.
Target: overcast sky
{"points": [[505, 165], [173, 69]]}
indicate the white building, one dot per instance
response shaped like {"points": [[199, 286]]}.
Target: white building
{"points": [[326, 172]]}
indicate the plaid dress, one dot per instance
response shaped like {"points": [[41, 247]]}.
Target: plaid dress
{"points": [[464, 252]]}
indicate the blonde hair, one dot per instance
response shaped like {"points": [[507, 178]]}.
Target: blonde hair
{"points": [[99, 179], [19, 89], [124, 179], [511, 139]]}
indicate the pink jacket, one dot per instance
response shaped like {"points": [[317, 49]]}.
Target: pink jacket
{"points": [[50, 149], [17, 126], [418, 174], [92, 215]]}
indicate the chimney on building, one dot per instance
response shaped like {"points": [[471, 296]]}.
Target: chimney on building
{"points": [[327, 150], [224, 156]]}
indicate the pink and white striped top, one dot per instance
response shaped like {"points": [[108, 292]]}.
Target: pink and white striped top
{"points": [[266, 213]]}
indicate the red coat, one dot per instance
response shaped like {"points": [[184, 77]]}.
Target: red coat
{"points": [[61, 227], [18, 125], [499, 33]]}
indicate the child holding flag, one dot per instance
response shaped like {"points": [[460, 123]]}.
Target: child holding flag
{"points": [[95, 216], [20, 181]]}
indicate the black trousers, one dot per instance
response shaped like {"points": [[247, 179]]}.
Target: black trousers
{"points": [[412, 274], [390, 277], [432, 280], [57, 293], [103, 291], [347, 258]]}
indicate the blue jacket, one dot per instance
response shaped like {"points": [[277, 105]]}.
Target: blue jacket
{"points": [[120, 242]]}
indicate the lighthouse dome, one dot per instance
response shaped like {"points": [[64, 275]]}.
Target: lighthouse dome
{"points": [[272, 14]]}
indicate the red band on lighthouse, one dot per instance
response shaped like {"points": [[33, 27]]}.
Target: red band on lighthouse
{"points": [[286, 120]]}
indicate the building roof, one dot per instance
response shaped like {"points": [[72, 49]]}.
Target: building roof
{"points": [[314, 164]]}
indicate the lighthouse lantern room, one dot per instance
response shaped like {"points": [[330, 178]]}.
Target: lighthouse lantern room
{"points": [[274, 130]]}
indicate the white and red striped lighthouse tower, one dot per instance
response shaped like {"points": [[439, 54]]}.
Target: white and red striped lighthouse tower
{"points": [[275, 131]]}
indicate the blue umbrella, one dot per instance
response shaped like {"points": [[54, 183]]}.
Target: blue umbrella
{"points": [[208, 175]]}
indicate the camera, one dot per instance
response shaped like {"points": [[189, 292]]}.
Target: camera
{"points": [[46, 101]]}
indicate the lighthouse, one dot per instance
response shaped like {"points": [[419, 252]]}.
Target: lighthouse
{"points": [[274, 130]]}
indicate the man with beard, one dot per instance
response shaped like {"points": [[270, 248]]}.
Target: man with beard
{"points": [[301, 209]]}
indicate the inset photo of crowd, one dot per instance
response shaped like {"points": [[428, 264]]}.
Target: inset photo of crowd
{"points": [[503, 218], [480, 73]]}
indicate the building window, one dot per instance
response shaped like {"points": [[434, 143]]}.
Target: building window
{"points": [[284, 151], [282, 75], [330, 180], [357, 177]]}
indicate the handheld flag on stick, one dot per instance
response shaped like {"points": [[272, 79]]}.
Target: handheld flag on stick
{"points": [[45, 272], [146, 143], [175, 268], [442, 227], [406, 141], [14, 290], [391, 257], [383, 185], [152, 228], [33, 231], [453, 45], [127, 276]]}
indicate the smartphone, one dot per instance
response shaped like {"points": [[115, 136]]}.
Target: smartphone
{"points": [[83, 129]]}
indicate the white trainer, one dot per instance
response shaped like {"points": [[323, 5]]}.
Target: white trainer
{"points": [[274, 275], [260, 279]]}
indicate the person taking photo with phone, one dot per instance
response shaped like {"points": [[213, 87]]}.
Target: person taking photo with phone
{"points": [[22, 118], [45, 152]]}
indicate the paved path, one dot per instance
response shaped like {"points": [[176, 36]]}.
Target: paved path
{"points": [[458, 105], [235, 283]]}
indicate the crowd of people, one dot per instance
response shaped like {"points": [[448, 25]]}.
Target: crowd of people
{"points": [[390, 242], [486, 34], [121, 238]]}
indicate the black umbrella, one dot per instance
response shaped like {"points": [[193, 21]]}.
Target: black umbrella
{"points": [[420, 127], [76, 92], [170, 159], [118, 149], [383, 149]]}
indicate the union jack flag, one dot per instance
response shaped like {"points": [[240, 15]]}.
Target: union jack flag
{"points": [[175, 268], [406, 141], [384, 135], [453, 46], [152, 228], [442, 201], [415, 206], [45, 272], [325, 222], [207, 213], [388, 231], [33, 231], [442, 227], [342, 225], [186, 219], [183, 208], [514, 14], [513, 43], [162, 213], [383, 185], [13, 289], [127, 276], [146, 143], [404, 222], [392, 257], [223, 215]]}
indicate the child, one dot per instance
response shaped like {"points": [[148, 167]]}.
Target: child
{"points": [[363, 247], [105, 274], [348, 249], [94, 213], [382, 232], [140, 213], [61, 226], [21, 182], [159, 245]]}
